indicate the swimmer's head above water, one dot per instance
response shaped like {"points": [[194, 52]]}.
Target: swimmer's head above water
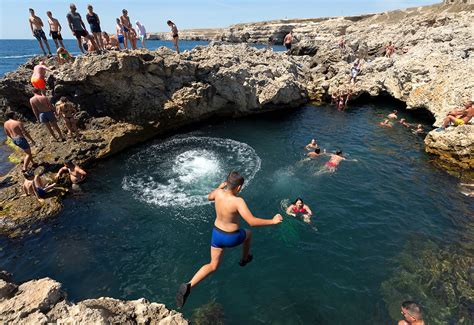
{"points": [[339, 153], [317, 150], [234, 181], [298, 202]]}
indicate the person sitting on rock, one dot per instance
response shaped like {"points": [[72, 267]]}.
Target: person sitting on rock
{"points": [[393, 115], [389, 49], [39, 75], [299, 208], [35, 185], [355, 70], [63, 55], [312, 145], [459, 117], [44, 112], [76, 173], [335, 97], [412, 314], [287, 41], [67, 110], [386, 123], [15, 130]]}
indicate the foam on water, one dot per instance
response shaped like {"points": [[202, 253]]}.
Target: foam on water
{"points": [[181, 171]]}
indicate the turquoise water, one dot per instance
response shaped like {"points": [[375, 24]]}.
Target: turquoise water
{"points": [[141, 226]]}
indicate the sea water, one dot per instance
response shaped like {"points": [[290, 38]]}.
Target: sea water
{"points": [[141, 224]]}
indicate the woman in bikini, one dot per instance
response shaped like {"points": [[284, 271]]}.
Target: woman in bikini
{"points": [[67, 110], [299, 208]]}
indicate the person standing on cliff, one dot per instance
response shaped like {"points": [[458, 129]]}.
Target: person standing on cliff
{"points": [[78, 28], [227, 232], [141, 33], [174, 34], [94, 24], [44, 112], [287, 41], [36, 26], [55, 30], [15, 130], [126, 26]]}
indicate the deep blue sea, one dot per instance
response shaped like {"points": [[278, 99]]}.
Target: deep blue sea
{"points": [[142, 225]]}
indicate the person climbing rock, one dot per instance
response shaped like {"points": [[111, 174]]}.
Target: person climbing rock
{"points": [[227, 232], [15, 130], [44, 112]]}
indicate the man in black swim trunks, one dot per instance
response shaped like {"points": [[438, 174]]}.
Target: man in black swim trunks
{"points": [[55, 30], [227, 232], [287, 42], [36, 25], [78, 27]]}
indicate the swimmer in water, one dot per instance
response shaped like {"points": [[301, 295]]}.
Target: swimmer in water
{"points": [[316, 153], [299, 208], [312, 145], [419, 129], [227, 232], [333, 163], [404, 122], [386, 123], [393, 115], [412, 314]]}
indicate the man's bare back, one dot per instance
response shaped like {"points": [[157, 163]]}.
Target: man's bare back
{"points": [[227, 210], [39, 71], [14, 129], [41, 103]]}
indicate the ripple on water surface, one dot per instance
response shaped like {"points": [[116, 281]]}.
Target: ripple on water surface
{"points": [[181, 171]]}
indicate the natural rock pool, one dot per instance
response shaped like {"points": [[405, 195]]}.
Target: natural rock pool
{"points": [[141, 225]]}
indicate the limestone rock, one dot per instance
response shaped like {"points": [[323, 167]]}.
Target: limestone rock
{"points": [[43, 302], [455, 145]]}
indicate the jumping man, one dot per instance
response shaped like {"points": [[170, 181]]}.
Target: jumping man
{"points": [[227, 232]]}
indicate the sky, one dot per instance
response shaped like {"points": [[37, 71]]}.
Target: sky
{"points": [[186, 13]]}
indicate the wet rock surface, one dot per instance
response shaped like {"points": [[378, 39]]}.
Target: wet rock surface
{"points": [[44, 302]]}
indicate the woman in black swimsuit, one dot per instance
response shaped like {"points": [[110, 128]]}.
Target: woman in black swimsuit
{"points": [[94, 23]]}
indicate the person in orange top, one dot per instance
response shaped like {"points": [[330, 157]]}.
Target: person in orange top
{"points": [[38, 78]]}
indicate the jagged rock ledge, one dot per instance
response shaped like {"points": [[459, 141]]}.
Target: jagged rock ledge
{"points": [[129, 97], [43, 301]]}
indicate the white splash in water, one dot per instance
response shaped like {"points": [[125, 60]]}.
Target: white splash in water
{"points": [[181, 171]]}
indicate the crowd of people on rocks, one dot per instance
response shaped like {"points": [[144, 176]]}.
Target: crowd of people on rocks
{"points": [[97, 41]]}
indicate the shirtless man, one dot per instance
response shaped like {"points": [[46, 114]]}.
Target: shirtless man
{"points": [[34, 185], [227, 232], [314, 154], [44, 112], [393, 115], [15, 130], [126, 25], [76, 173], [174, 34], [419, 129], [55, 30], [412, 314], [404, 122], [111, 42], [312, 145], [36, 26], [287, 42], [38, 79], [460, 117]]}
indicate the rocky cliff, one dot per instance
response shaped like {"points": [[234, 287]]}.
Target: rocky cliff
{"points": [[43, 301], [128, 97]]}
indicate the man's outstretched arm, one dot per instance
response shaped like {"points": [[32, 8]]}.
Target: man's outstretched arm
{"points": [[253, 221]]}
